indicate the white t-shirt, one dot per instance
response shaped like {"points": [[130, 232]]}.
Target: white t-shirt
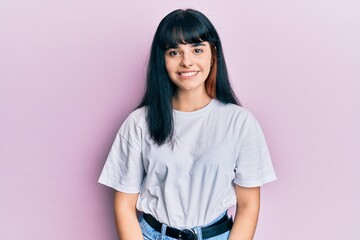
{"points": [[191, 182]]}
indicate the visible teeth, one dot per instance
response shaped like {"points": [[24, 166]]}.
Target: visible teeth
{"points": [[188, 74]]}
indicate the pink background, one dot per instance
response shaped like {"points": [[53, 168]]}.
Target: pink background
{"points": [[71, 71]]}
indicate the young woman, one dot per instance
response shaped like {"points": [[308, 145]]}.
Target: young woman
{"points": [[189, 151]]}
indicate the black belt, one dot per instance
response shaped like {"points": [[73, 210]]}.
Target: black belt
{"points": [[222, 225]]}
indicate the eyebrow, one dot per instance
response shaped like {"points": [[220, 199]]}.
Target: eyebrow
{"points": [[198, 44], [193, 45]]}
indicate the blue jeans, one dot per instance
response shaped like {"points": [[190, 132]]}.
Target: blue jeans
{"points": [[151, 234]]}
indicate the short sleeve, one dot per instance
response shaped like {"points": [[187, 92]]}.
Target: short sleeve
{"points": [[253, 164], [123, 169]]}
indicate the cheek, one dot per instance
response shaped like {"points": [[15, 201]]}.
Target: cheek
{"points": [[169, 66], [206, 65], [207, 62]]}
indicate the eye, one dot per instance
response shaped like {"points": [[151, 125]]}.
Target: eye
{"points": [[173, 53], [198, 50]]}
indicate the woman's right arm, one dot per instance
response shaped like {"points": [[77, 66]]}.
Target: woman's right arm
{"points": [[126, 220]]}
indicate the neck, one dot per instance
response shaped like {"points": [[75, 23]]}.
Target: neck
{"points": [[189, 102]]}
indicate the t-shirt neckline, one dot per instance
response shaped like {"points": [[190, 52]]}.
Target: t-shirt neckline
{"points": [[207, 108]]}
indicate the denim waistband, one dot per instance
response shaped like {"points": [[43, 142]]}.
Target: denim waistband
{"points": [[150, 233]]}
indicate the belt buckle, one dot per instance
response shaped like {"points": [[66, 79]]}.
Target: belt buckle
{"points": [[187, 234]]}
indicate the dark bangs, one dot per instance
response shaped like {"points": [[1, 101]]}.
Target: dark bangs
{"points": [[184, 28]]}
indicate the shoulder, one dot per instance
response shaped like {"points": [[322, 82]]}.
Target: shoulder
{"points": [[237, 116], [232, 110], [136, 118], [133, 128]]}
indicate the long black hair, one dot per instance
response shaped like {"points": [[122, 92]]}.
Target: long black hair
{"points": [[180, 27]]}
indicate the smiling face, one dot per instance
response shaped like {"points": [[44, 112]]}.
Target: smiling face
{"points": [[188, 66]]}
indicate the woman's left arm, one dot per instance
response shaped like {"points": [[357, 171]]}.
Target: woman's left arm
{"points": [[247, 212]]}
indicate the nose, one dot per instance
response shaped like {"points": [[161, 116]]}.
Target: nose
{"points": [[186, 60]]}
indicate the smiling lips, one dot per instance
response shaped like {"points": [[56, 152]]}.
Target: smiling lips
{"points": [[187, 74]]}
